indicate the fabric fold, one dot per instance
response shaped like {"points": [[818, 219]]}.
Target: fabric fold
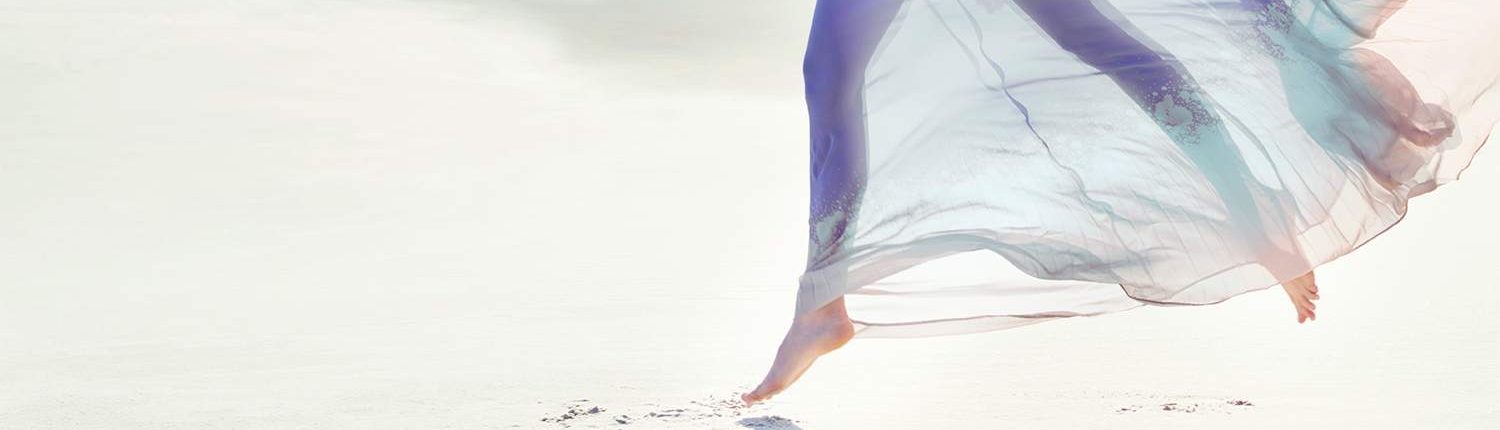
{"points": [[1060, 158]]}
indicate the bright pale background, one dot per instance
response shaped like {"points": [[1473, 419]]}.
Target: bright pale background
{"points": [[465, 214]]}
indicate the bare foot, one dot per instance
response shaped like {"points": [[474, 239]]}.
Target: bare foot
{"points": [[1303, 291], [812, 335]]}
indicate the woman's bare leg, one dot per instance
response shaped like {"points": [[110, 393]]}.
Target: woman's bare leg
{"points": [[1099, 36], [844, 36], [812, 335]]}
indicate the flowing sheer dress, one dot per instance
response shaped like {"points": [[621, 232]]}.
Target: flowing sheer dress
{"points": [[982, 164]]}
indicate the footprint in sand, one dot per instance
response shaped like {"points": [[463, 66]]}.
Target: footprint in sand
{"points": [[576, 409], [706, 411], [1206, 405]]}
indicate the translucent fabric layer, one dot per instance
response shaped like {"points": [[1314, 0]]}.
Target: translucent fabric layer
{"points": [[980, 164]]}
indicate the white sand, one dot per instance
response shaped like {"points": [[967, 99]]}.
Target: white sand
{"points": [[419, 215]]}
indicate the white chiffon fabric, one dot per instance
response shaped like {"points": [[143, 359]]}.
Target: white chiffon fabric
{"points": [[982, 164]]}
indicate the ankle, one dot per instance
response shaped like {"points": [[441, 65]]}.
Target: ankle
{"points": [[831, 312]]}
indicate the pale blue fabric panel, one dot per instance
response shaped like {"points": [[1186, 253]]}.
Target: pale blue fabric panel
{"points": [[1143, 151]]}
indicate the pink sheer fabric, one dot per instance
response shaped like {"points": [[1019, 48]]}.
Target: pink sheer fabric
{"points": [[983, 164]]}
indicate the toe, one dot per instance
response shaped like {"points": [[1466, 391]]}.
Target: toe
{"points": [[1308, 294], [762, 392], [754, 397]]}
